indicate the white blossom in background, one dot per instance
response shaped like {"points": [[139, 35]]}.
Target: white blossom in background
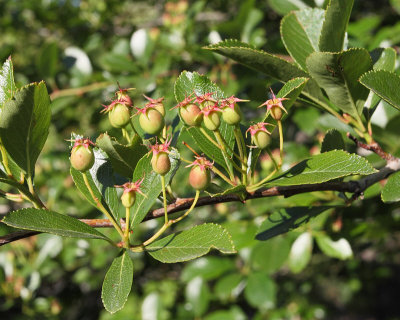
{"points": [[214, 37], [138, 43], [82, 61]]}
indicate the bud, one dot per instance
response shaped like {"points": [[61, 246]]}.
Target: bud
{"points": [[199, 176], [151, 120], [156, 104], [231, 112], [275, 106], [128, 197], [160, 161], [119, 115], [260, 136], [211, 117], [82, 157]]}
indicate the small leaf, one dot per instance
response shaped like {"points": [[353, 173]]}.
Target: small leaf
{"points": [[51, 222], [391, 190], [123, 158], [191, 244], [117, 283], [287, 219], [332, 141], [300, 31], [335, 24], [192, 82], [24, 125], [300, 253], [324, 167], [385, 84], [338, 74], [101, 181], [339, 249], [260, 291], [7, 85], [151, 185]]}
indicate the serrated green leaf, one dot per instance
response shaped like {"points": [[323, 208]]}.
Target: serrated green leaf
{"points": [[151, 185], [285, 6], [339, 249], [324, 167], [287, 219], [259, 60], [383, 59], [333, 32], [185, 85], [260, 291], [300, 253], [385, 84], [391, 190], [51, 222], [117, 283], [300, 32], [24, 125], [191, 244], [101, 181], [269, 64], [333, 140], [338, 74], [7, 85], [123, 158]]}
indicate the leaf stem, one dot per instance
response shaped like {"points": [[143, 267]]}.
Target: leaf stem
{"points": [[4, 158], [225, 155], [101, 207], [164, 199], [280, 143], [242, 152], [259, 184], [126, 231], [224, 177], [196, 198], [126, 135]]}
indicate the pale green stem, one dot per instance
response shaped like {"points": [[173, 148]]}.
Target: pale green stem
{"points": [[196, 198], [280, 143], [133, 128], [224, 177], [254, 187], [127, 222], [126, 135], [5, 159], [273, 159], [225, 155], [242, 152], [164, 199], [101, 207]]}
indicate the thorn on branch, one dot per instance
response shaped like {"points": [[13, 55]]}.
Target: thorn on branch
{"points": [[375, 147]]}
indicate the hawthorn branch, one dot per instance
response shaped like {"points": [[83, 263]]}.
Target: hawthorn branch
{"points": [[357, 187]]}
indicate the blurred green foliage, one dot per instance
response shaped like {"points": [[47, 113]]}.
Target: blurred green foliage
{"points": [[82, 48]]}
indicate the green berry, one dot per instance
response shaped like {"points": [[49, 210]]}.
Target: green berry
{"points": [[261, 139], [276, 113], [212, 121], [119, 115], [152, 121], [191, 115], [161, 163], [128, 199], [82, 158], [199, 178], [232, 116]]}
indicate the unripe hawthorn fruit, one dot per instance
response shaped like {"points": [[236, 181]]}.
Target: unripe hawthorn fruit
{"points": [[199, 178], [261, 139], [161, 163], [276, 113], [128, 199], [119, 115], [233, 115], [159, 107], [207, 103], [151, 121], [191, 115], [82, 158], [212, 121]]}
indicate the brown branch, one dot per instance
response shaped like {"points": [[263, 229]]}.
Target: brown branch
{"points": [[357, 187], [375, 147]]}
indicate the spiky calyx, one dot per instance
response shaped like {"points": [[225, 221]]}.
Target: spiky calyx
{"points": [[82, 157]]}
